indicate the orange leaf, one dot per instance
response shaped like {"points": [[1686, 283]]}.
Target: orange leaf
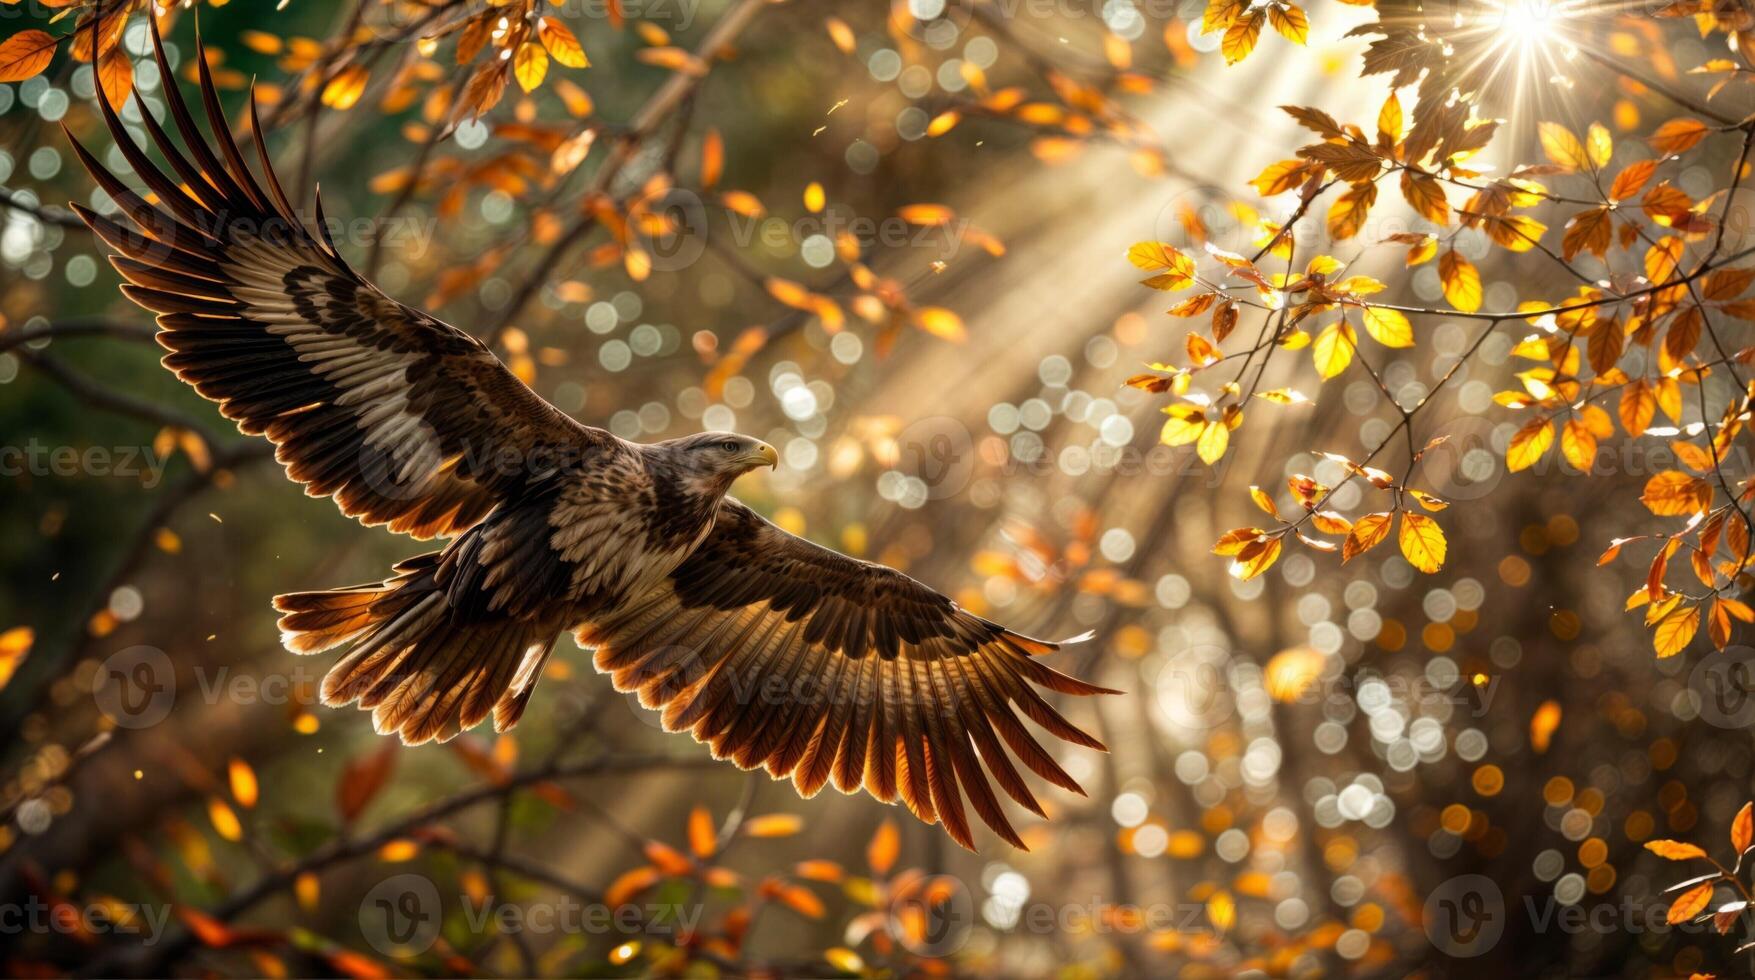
{"points": [[885, 846], [703, 839], [25, 54]]}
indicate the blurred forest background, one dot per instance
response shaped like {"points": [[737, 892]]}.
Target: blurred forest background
{"points": [[889, 240]]}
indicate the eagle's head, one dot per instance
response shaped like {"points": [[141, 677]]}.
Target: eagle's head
{"points": [[711, 460]]}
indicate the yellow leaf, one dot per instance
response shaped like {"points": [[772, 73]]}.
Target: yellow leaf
{"points": [[1255, 558], [529, 65], [940, 322], [1674, 493], [1422, 542], [1462, 281], [225, 819], [1164, 258], [1579, 445], [1213, 440], [1333, 349], [1388, 327], [1290, 22], [346, 87], [243, 783], [1529, 445], [1184, 426], [1674, 632], [561, 43], [1599, 144], [1563, 148], [15, 643], [1368, 532], [1222, 910], [1241, 36], [813, 197]]}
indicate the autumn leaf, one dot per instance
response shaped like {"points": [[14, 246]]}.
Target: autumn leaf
{"points": [[529, 65], [25, 54], [1673, 850], [561, 43], [1690, 903], [345, 87], [703, 838], [1175, 270], [1367, 533], [1333, 349], [1290, 21], [1388, 327], [15, 643], [1563, 147], [1678, 136], [1543, 724], [1529, 444], [1422, 542], [886, 844], [1462, 281], [1675, 631], [1743, 828], [941, 323], [1674, 493], [1241, 36], [1212, 442]]}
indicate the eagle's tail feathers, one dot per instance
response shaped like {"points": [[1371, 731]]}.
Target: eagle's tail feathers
{"points": [[421, 672]]}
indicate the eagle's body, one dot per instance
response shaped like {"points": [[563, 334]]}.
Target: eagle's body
{"points": [[770, 649]]}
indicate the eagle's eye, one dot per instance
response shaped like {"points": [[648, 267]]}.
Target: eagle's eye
{"points": [[728, 446]]}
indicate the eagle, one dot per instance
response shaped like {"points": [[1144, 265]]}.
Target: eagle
{"points": [[771, 650]]}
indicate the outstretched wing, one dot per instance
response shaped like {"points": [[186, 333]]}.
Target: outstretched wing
{"points": [[780, 653], [401, 418]]}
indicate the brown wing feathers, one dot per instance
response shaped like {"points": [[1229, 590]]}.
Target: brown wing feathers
{"points": [[818, 667], [398, 416]]}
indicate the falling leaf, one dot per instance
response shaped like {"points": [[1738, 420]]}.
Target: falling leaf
{"points": [[703, 839], [345, 87], [942, 323], [1543, 724], [885, 845], [243, 782]]}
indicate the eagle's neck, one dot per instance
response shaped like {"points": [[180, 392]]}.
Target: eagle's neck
{"points": [[685, 499]]}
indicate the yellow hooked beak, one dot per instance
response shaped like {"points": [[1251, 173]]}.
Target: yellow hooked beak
{"points": [[764, 455]]}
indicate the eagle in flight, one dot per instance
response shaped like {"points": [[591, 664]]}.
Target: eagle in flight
{"points": [[773, 651]]}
